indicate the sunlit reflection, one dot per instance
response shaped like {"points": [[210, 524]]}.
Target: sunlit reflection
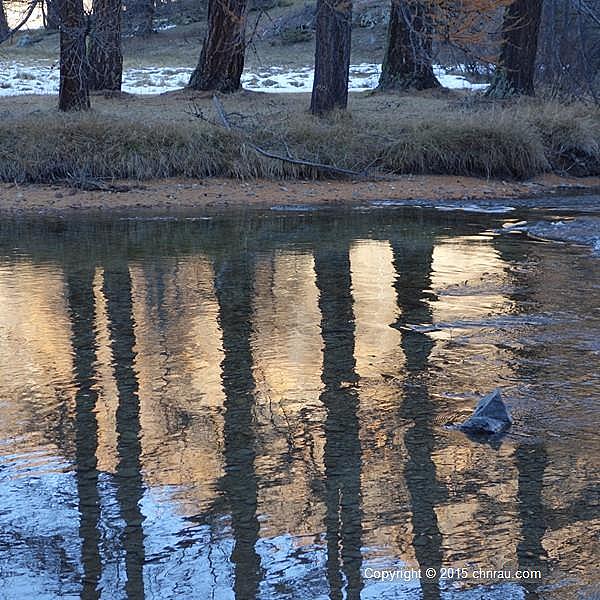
{"points": [[287, 360], [106, 404], [178, 365], [267, 410], [469, 280], [375, 308], [36, 362]]}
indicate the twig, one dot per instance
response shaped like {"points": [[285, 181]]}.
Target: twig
{"points": [[221, 113], [220, 110]]}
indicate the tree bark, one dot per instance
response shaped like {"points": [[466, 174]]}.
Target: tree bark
{"points": [[332, 56], [51, 15], [105, 56], [73, 93], [407, 63], [222, 58], [139, 16], [520, 33], [3, 23]]}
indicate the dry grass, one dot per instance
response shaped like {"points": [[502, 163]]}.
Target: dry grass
{"points": [[571, 134], [156, 137]]}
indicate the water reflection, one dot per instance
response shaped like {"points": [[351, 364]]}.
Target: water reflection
{"points": [[234, 289], [413, 258], [243, 408], [342, 455], [531, 459], [81, 307], [117, 290]]}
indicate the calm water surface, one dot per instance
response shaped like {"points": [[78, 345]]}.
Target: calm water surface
{"points": [[241, 407]]}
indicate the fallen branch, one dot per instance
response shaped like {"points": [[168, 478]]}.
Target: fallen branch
{"points": [[307, 163], [224, 122], [93, 184]]}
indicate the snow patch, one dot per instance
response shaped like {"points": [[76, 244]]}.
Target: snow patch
{"points": [[42, 77]]}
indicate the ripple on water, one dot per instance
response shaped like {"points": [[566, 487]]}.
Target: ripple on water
{"points": [[258, 407]]}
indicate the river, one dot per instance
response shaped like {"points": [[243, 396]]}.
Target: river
{"points": [[254, 405]]}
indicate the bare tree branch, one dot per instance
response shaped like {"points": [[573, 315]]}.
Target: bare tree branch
{"points": [[23, 21]]}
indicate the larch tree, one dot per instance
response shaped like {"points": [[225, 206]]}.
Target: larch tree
{"points": [[520, 34], [105, 53], [407, 63], [73, 91], [223, 50], [4, 30], [416, 25], [332, 56]]}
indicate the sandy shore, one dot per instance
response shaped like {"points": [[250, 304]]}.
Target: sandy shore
{"points": [[173, 194]]}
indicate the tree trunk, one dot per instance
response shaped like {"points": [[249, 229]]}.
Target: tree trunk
{"points": [[4, 30], [222, 58], [73, 93], [139, 16], [3, 23], [520, 32], [407, 63], [106, 57], [51, 15], [332, 56]]}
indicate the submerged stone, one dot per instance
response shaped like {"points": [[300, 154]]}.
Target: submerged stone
{"points": [[490, 416]]}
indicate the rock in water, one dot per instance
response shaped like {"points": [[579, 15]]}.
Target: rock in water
{"points": [[490, 416]]}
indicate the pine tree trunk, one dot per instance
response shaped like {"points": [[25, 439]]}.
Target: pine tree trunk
{"points": [[73, 93], [52, 15], [332, 56], [222, 58], [139, 16], [3, 23], [407, 63], [520, 33], [105, 56]]}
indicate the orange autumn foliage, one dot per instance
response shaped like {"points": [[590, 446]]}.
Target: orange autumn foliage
{"points": [[462, 23]]}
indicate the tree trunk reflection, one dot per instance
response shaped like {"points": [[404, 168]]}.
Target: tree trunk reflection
{"points": [[342, 445], [412, 262]]}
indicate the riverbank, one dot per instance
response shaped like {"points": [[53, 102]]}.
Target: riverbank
{"points": [[214, 193], [272, 136]]}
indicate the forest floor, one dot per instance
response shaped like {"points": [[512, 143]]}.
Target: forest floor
{"points": [[221, 194], [277, 37]]}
